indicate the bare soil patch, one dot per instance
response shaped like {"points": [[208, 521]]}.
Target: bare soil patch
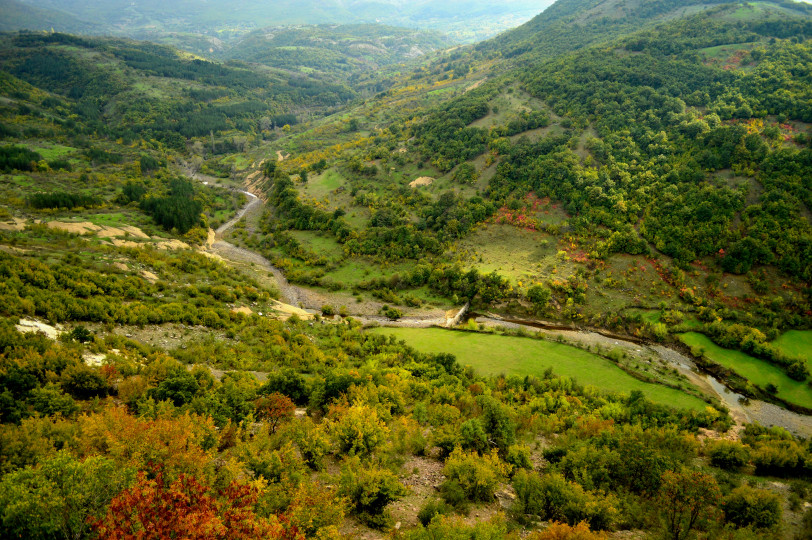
{"points": [[422, 181]]}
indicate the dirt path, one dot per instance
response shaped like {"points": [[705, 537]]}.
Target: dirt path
{"points": [[754, 411], [291, 294], [253, 201]]}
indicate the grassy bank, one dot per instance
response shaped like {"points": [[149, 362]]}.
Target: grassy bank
{"points": [[492, 354], [757, 371]]}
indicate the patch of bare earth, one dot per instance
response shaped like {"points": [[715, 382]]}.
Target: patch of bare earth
{"points": [[423, 477], [422, 181]]}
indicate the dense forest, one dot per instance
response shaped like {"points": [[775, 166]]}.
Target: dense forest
{"points": [[553, 285]]}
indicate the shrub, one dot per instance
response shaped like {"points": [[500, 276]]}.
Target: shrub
{"points": [[728, 455], [359, 431], [369, 490], [553, 498], [476, 475], [746, 506], [562, 531], [83, 382], [473, 436], [519, 457], [312, 441], [433, 508]]}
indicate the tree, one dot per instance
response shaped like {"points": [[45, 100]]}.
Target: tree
{"points": [[55, 498], [151, 509], [269, 168], [562, 531], [684, 498], [274, 409]]}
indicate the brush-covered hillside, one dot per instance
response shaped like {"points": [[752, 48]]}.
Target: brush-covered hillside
{"points": [[555, 285]]}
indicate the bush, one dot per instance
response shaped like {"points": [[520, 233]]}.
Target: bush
{"points": [[553, 498], [728, 455], [746, 506], [473, 436], [519, 457], [312, 441], [433, 508], [83, 382], [477, 475], [359, 431], [562, 531], [369, 490]]}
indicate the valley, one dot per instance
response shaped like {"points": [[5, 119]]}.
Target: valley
{"points": [[312, 276]]}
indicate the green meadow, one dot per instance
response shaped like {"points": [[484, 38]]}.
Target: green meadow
{"points": [[493, 354], [757, 371]]}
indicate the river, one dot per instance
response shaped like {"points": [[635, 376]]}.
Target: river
{"points": [[741, 409]]}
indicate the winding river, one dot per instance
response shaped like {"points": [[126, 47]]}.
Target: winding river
{"points": [[742, 410]]}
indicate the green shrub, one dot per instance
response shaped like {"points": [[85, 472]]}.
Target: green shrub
{"points": [[728, 455], [553, 498], [369, 490], [477, 475], [747, 506], [519, 457], [433, 508]]}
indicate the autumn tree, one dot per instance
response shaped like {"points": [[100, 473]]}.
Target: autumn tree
{"points": [[274, 409], [684, 498], [151, 509], [562, 531]]}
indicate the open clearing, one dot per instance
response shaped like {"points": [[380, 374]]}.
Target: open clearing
{"points": [[492, 354], [517, 254], [757, 371], [796, 343]]}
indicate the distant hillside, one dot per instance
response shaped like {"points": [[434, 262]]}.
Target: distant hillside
{"points": [[129, 89], [464, 19], [336, 50], [569, 25], [21, 16]]}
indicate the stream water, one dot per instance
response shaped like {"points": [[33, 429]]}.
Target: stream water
{"points": [[742, 409]]}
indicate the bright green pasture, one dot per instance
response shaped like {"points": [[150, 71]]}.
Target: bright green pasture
{"points": [[757, 371], [796, 343], [493, 354]]}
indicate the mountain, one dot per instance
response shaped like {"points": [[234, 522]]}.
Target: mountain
{"points": [[462, 19], [552, 285], [348, 50], [19, 15]]}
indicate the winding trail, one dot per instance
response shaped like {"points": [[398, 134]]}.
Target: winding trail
{"points": [[742, 411]]}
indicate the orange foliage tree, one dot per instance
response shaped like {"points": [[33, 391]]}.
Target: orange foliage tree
{"points": [[182, 444], [562, 531], [274, 409], [151, 509]]}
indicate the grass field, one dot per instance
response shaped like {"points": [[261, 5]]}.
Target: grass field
{"points": [[796, 343], [320, 244], [757, 371], [517, 254], [491, 354]]}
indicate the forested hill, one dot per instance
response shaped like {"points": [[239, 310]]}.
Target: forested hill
{"points": [[337, 52], [682, 145], [571, 24], [465, 20], [16, 15], [129, 89]]}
